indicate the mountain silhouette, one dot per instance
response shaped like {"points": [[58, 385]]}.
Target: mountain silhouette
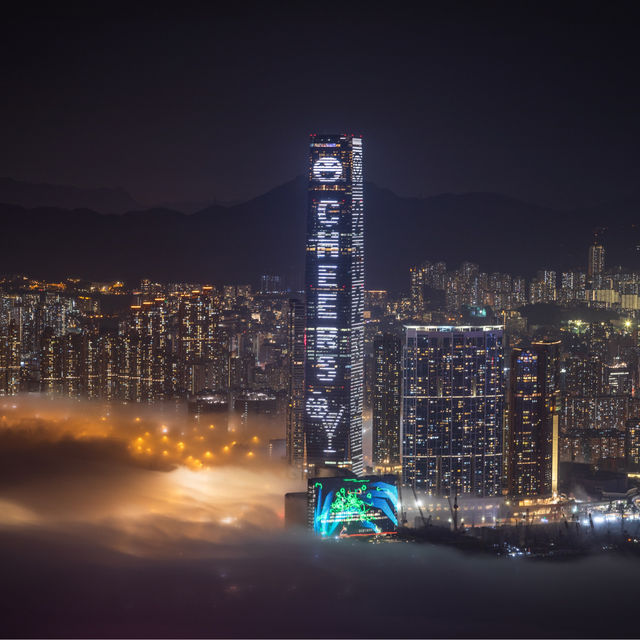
{"points": [[29, 194], [235, 244]]}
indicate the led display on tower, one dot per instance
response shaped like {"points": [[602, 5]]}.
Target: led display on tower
{"points": [[334, 303]]}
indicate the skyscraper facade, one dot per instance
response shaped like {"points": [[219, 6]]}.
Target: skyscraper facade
{"points": [[295, 406], [334, 288], [387, 355], [596, 261], [452, 409], [534, 393], [417, 290]]}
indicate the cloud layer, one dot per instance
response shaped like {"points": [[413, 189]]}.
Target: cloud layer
{"points": [[99, 540]]}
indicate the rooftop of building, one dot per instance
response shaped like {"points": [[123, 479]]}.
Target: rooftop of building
{"points": [[455, 328]]}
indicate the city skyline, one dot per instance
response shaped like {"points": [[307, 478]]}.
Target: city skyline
{"points": [[320, 322], [466, 412]]}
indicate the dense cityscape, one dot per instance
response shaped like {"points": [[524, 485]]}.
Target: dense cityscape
{"points": [[320, 322], [543, 371]]}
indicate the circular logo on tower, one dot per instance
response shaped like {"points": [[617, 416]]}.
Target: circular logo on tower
{"points": [[327, 169]]}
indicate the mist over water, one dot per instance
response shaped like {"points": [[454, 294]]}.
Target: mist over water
{"points": [[98, 538]]}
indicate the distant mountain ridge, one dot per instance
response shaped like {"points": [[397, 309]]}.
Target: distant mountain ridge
{"points": [[31, 195], [227, 244], [102, 200]]}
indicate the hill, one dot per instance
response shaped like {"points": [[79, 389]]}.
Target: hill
{"points": [[224, 244], [30, 195]]}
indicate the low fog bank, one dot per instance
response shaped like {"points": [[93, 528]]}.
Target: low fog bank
{"points": [[68, 583], [104, 536], [151, 476]]}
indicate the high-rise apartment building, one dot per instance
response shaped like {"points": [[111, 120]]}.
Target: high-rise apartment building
{"points": [[632, 444], [10, 358], [572, 287], [596, 261], [584, 375], [63, 363], [295, 406], [270, 284], [543, 288], [334, 290], [452, 409], [534, 393], [147, 333], [387, 355], [199, 343], [416, 275]]}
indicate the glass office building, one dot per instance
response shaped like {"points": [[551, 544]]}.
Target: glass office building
{"points": [[334, 286]]}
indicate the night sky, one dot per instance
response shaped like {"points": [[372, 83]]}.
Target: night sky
{"points": [[540, 103]]}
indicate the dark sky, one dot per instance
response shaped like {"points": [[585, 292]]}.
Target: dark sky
{"points": [[540, 102]]}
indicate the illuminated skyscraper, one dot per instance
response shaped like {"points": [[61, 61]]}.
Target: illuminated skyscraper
{"points": [[387, 355], [596, 261], [584, 376], [543, 288], [534, 392], [417, 290], [295, 407], [148, 324], [10, 358], [452, 409], [199, 346], [334, 289], [63, 363], [632, 444]]}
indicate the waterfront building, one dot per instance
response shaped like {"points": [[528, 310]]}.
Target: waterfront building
{"points": [[387, 355], [452, 409], [534, 395]]}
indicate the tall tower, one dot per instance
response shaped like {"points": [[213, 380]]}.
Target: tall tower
{"points": [[387, 355], [295, 408], [416, 275], [334, 287], [534, 390], [596, 260], [452, 409]]}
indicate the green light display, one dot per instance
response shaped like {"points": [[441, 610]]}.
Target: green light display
{"points": [[355, 506]]}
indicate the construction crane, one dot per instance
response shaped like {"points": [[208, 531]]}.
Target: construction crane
{"points": [[454, 509], [419, 505]]}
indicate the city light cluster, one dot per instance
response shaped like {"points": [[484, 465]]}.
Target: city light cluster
{"points": [[196, 447]]}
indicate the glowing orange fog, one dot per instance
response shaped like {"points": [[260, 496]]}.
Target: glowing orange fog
{"points": [[146, 479], [182, 441]]}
